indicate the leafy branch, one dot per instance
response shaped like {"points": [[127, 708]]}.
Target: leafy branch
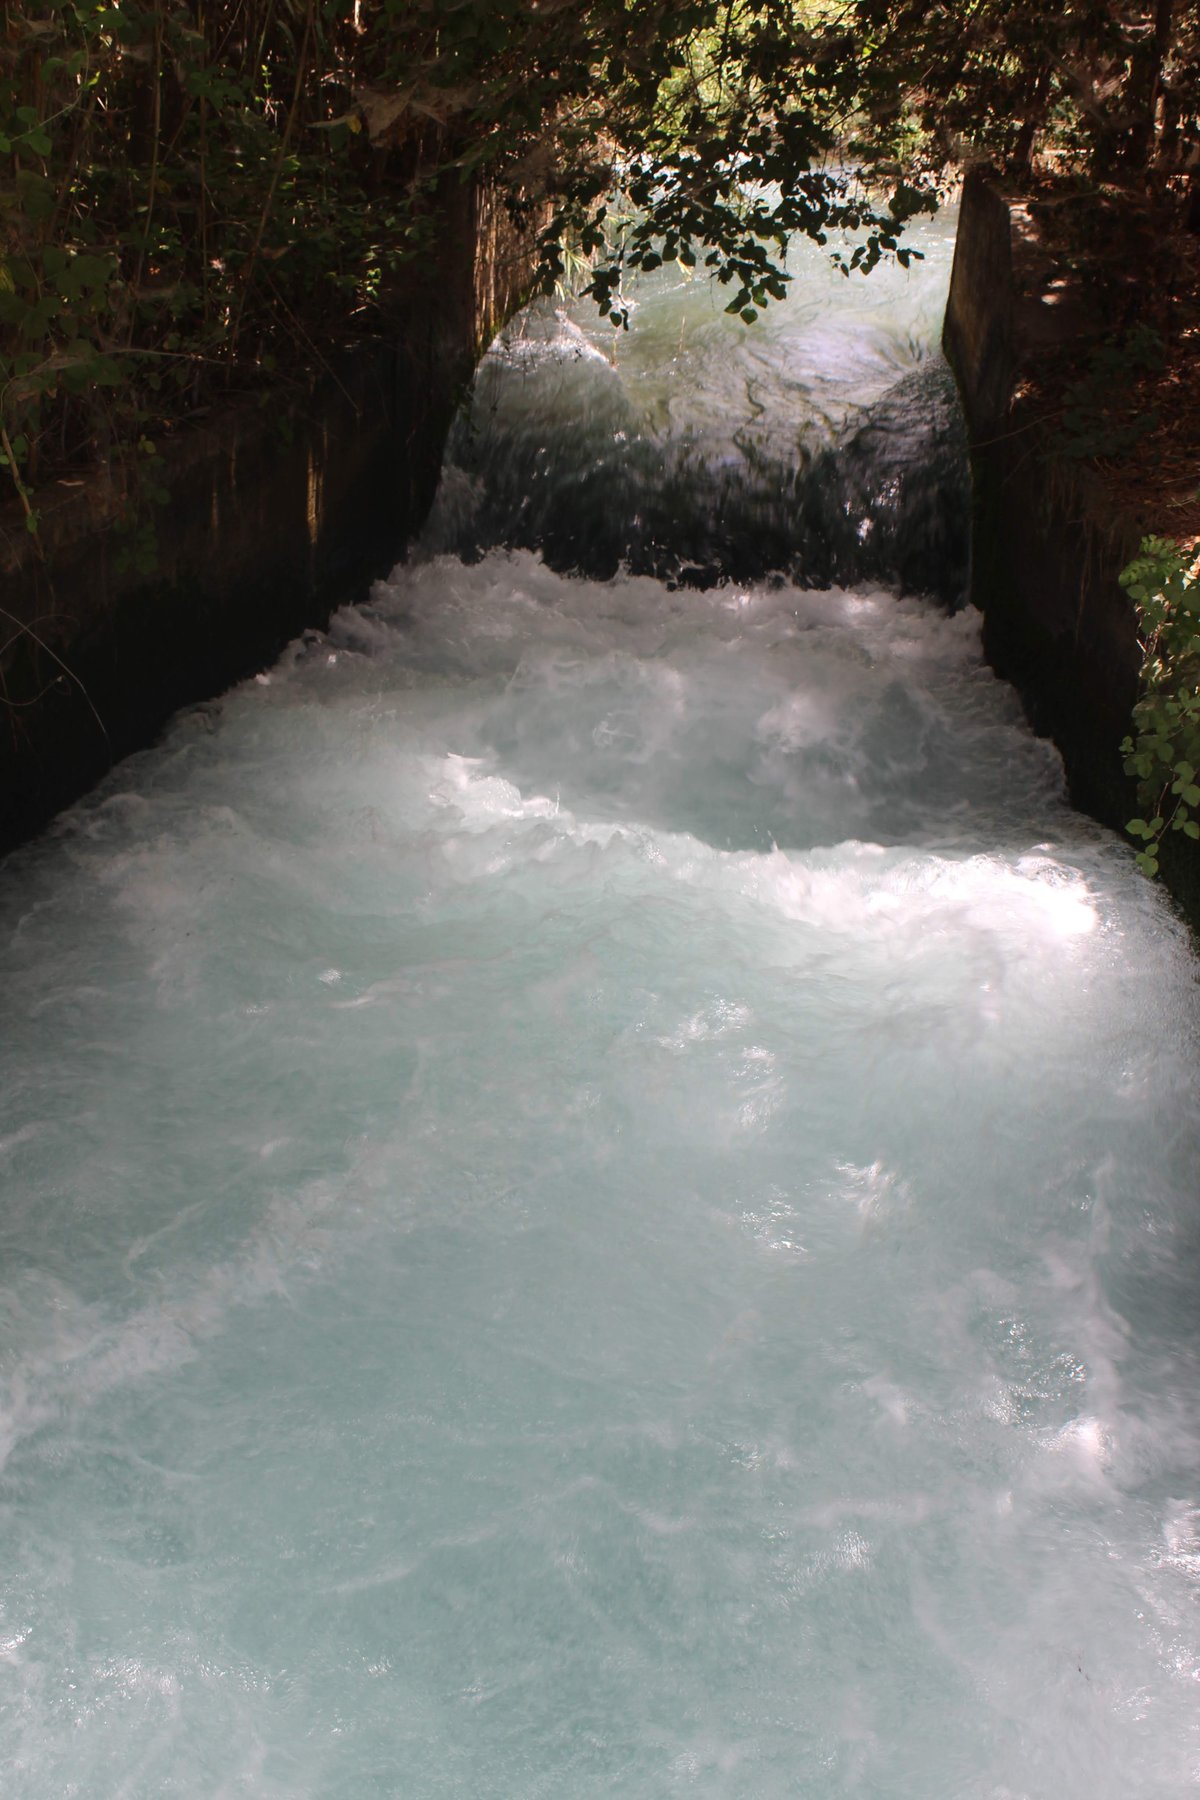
{"points": [[1163, 751]]}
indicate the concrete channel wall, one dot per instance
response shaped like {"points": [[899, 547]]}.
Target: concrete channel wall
{"points": [[1046, 545], [1045, 558], [274, 515]]}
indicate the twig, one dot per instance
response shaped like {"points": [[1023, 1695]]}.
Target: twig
{"points": [[152, 191], [268, 203], [22, 491], [69, 672]]}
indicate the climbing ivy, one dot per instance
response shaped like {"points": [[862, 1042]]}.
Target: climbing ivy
{"points": [[1163, 751]]}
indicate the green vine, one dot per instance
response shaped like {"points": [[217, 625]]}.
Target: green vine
{"points": [[1163, 751]]}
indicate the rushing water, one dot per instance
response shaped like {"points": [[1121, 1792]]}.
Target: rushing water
{"points": [[823, 443], [600, 1178]]}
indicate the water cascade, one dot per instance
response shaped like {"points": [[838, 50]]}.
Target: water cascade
{"points": [[599, 1175]]}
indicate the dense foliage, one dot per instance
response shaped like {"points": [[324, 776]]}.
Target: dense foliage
{"points": [[194, 191], [198, 193], [1103, 85], [176, 208]]}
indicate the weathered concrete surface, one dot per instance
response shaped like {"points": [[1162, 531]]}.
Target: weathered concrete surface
{"points": [[275, 515], [1045, 554], [1047, 546]]}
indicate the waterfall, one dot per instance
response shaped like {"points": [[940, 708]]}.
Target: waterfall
{"points": [[823, 443]]}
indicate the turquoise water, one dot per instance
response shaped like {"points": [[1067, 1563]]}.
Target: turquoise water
{"points": [[600, 1199]]}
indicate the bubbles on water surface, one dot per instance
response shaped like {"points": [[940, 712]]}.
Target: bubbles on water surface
{"points": [[599, 1199]]}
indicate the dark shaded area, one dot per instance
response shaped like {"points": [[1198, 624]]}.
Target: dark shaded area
{"points": [[1048, 545], [888, 503], [264, 533], [116, 617], [1044, 574]]}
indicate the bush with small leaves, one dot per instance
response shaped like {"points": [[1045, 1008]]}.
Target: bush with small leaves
{"points": [[1163, 750]]}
